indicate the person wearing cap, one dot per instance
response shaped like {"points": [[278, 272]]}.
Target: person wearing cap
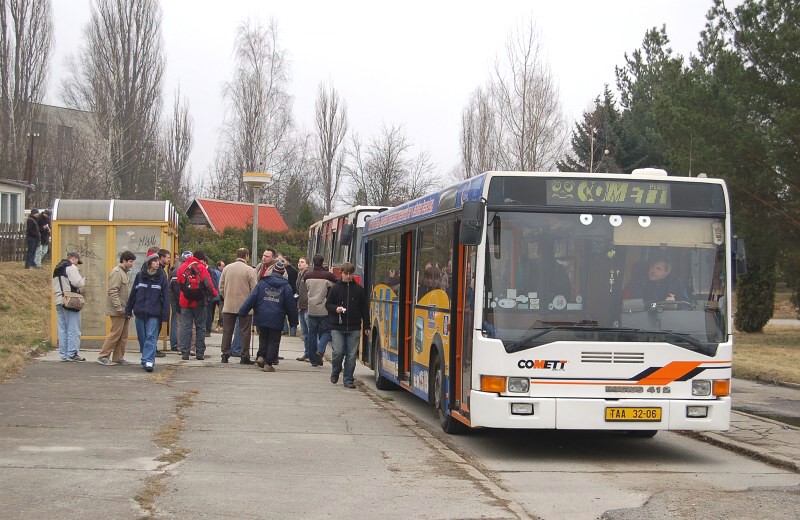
{"points": [[193, 311], [119, 288], [67, 277], [32, 237], [149, 302], [43, 221], [271, 301], [348, 315]]}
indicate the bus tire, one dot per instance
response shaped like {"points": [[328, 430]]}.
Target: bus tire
{"points": [[381, 383], [449, 424], [643, 434]]}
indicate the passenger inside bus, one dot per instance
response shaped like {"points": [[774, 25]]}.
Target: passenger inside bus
{"points": [[658, 284]]}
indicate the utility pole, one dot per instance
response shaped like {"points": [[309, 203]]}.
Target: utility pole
{"points": [[29, 173]]}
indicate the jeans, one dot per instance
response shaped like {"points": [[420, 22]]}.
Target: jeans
{"points": [[193, 316], [30, 254], [236, 344], [303, 318], [69, 332], [345, 345], [41, 251], [173, 326], [147, 334], [317, 336]]}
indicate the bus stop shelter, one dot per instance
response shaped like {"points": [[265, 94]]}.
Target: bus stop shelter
{"points": [[99, 231]]}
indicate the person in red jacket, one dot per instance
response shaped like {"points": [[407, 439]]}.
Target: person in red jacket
{"points": [[196, 288]]}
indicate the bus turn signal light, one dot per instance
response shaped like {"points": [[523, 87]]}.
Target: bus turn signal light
{"points": [[495, 384], [722, 387]]}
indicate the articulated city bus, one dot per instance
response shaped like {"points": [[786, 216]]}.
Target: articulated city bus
{"points": [[558, 301], [337, 237]]}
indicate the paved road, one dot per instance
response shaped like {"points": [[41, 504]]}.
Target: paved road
{"points": [[202, 439]]}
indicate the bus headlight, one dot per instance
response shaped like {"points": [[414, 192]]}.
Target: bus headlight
{"points": [[519, 385], [701, 387]]}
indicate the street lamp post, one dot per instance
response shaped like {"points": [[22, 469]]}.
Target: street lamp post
{"points": [[29, 173], [256, 180]]}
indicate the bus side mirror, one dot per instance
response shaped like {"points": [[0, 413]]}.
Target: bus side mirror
{"points": [[471, 231], [739, 256], [346, 234]]}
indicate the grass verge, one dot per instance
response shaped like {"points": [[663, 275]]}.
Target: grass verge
{"points": [[772, 355], [24, 316]]}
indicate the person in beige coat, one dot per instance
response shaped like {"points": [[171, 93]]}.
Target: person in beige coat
{"points": [[235, 285], [119, 288]]}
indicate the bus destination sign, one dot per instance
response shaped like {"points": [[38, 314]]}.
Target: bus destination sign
{"points": [[608, 193]]}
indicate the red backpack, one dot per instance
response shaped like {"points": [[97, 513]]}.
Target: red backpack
{"points": [[192, 287]]}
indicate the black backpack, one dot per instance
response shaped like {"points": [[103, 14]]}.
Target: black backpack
{"points": [[192, 286]]}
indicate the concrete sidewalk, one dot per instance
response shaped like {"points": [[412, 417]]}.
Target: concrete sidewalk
{"points": [[204, 439]]}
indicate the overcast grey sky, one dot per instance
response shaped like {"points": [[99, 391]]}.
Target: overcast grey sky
{"points": [[413, 63]]}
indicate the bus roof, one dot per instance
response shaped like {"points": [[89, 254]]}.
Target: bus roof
{"points": [[473, 189]]}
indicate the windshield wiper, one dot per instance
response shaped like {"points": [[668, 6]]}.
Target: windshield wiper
{"points": [[676, 337]]}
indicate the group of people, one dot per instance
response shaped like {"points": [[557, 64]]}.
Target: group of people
{"points": [[274, 297], [37, 237]]}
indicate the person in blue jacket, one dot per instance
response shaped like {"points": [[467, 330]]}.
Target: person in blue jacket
{"points": [[272, 300], [149, 302]]}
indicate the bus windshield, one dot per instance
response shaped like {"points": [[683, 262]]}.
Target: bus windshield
{"points": [[602, 277]]}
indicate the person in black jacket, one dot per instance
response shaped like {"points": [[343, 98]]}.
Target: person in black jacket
{"points": [[348, 313], [149, 301], [43, 220], [32, 236]]}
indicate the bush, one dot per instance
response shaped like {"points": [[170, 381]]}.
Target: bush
{"points": [[223, 247], [755, 295]]}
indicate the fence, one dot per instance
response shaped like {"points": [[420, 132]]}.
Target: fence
{"points": [[12, 242]]}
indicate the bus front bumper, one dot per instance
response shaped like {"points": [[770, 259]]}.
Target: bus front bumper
{"points": [[493, 411]]}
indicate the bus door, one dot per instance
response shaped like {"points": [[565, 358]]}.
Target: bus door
{"points": [[464, 282], [407, 296]]}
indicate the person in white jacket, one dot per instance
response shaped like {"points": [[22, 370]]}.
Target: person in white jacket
{"points": [[67, 277]]}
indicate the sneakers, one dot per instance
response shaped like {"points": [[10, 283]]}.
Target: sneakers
{"points": [[260, 362], [76, 357], [104, 361], [160, 353], [123, 362], [349, 384], [320, 359], [246, 361], [302, 358], [199, 357], [174, 349], [268, 368], [185, 357], [334, 378], [225, 358], [148, 367]]}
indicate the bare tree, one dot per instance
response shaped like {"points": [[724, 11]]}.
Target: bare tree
{"points": [[177, 144], [382, 173], [479, 147], [331, 119], [530, 124], [259, 120], [118, 76], [26, 28]]}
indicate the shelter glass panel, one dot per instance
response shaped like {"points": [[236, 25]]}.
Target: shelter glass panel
{"points": [[90, 243]]}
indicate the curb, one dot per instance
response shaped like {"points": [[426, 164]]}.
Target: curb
{"points": [[751, 451]]}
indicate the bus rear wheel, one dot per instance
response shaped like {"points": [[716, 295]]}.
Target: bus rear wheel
{"points": [[449, 424], [381, 383]]}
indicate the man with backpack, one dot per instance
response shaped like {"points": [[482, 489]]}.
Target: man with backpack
{"points": [[196, 288]]}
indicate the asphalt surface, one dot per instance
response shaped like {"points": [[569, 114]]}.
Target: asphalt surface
{"points": [[203, 439]]}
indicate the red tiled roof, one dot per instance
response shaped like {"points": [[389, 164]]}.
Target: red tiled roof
{"points": [[224, 213]]}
